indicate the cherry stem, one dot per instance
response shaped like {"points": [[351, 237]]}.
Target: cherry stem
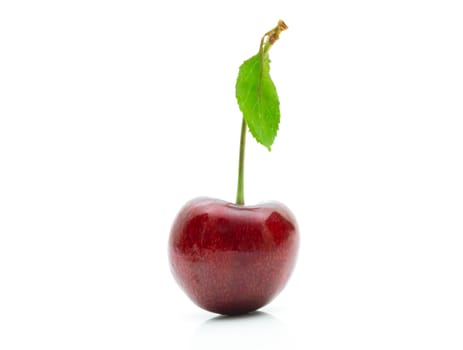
{"points": [[240, 192], [266, 43]]}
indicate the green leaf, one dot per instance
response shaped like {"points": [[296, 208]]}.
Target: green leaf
{"points": [[258, 99]]}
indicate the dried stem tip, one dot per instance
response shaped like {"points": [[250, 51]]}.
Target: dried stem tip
{"points": [[273, 35]]}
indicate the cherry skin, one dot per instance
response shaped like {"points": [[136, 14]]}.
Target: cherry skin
{"points": [[232, 259]]}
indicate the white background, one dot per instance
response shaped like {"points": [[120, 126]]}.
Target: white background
{"points": [[114, 113]]}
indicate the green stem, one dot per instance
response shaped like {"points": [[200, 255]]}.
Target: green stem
{"points": [[240, 192], [266, 43]]}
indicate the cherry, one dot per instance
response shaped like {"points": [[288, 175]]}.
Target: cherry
{"points": [[233, 259]]}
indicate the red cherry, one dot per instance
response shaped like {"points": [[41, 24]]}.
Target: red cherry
{"points": [[233, 259]]}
